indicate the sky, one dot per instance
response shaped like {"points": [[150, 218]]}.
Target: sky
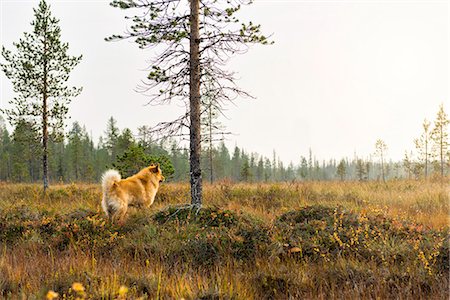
{"points": [[340, 75]]}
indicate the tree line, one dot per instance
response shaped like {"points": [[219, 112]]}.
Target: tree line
{"points": [[77, 158]]}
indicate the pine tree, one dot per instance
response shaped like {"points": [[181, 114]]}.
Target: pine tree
{"points": [[224, 161], [5, 152], [380, 151], [423, 147], [268, 175], [260, 170], [303, 168], [75, 149], [111, 135], [134, 159], [124, 141], [439, 135], [212, 34], [408, 164], [341, 169], [246, 175], [39, 70], [361, 170], [236, 162], [145, 137], [24, 152]]}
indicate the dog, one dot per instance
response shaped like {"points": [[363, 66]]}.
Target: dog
{"points": [[137, 190]]}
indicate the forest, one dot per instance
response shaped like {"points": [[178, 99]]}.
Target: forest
{"points": [[76, 157]]}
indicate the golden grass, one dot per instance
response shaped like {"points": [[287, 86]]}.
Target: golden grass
{"points": [[34, 268]]}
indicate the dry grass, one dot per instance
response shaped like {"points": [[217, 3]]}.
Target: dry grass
{"points": [[377, 240]]}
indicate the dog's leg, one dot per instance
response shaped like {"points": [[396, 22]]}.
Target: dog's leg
{"points": [[120, 214]]}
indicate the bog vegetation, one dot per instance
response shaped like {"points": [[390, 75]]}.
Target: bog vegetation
{"points": [[251, 241]]}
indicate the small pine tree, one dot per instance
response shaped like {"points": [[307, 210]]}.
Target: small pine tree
{"points": [[341, 169], [361, 171], [439, 135], [408, 165], [423, 147], [111, 136], [380, 151], [245, 170]]}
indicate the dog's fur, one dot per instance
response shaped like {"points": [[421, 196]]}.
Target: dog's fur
{"points": [[137, 190]]}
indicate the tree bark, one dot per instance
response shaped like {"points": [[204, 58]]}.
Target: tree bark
{"points": [[44, 123], [210, 145], [194, 103], [426, 157], [441, 150]]}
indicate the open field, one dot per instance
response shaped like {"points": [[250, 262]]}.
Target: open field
{"points": [[251, 241]]}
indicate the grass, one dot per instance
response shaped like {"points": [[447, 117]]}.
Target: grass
{"points": [[321, 240]]}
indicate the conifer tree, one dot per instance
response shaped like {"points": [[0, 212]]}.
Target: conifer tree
{"points": [[439, 135], [303, 169], [341, 169], [24, 152], [75, 149], [124, 141], [39, 69], [380, 151], [212, 33], [423, 147], [5, 152], [408, 164], [245, 170], [111, 135], [361, 170]]}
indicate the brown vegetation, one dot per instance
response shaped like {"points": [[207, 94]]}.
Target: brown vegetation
{"points": [[252, 241]]}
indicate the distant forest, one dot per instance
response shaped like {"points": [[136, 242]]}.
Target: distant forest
{"points": [[75, 157]]}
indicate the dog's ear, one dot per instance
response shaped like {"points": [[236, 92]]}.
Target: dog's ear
{"points": [[154, 168]]}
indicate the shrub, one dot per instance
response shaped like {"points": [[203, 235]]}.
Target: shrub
{"points": [[322, 233]]}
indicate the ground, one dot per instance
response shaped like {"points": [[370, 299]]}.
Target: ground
{"points": [[322, 240]]}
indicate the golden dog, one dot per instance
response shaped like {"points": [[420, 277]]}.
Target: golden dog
{"points": [[137, 190]]}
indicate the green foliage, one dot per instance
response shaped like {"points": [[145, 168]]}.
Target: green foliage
{"points": [[134, 159], [40, 60], [205, 217], [39, 70], [341, 169], [25, 152]]}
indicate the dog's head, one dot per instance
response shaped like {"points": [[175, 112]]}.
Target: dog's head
{"points": [[156, 173]]}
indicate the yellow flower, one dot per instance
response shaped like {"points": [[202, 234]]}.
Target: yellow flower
{"points": [[52, 295], [123, 290], [77, 287]]}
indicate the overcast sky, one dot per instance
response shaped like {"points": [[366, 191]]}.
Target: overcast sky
{"points": [[340, 75]]}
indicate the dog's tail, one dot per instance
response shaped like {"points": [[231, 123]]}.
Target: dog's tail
{"points": [[109, 178]]}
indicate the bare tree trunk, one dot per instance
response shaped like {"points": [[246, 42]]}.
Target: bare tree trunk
{"points": [[441, 152], [194, 101], [45, 126], [426, 158], [210, 145]]}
